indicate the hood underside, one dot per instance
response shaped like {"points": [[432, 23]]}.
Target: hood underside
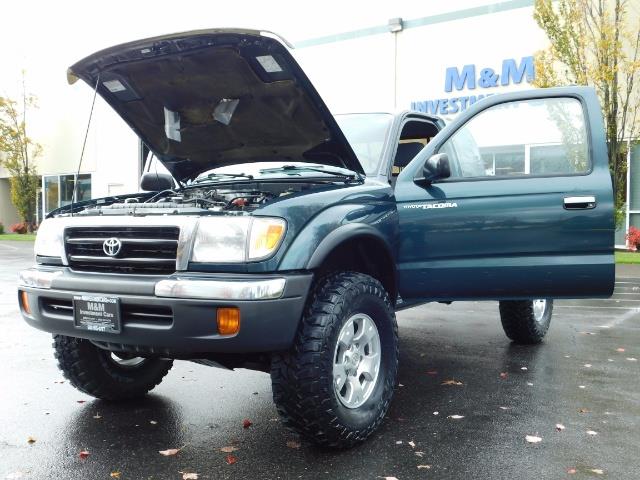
{"points": [[206, 99]]}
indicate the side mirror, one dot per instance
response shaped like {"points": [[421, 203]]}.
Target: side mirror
{"points": [[154, 182], [436, 168]]}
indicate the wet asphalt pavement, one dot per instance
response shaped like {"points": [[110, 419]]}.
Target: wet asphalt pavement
{"points": [[579, 377]]}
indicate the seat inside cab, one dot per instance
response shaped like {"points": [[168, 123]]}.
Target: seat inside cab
{"points": [[414, 137]]}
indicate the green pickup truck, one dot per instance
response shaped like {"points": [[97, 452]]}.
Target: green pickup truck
{"points": [[282, 238]]}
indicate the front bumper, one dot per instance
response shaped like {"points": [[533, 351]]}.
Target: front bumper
{"points": [[168, 315]]}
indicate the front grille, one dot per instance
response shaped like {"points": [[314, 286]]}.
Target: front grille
{"points": [[144, 250], [156, 315]]}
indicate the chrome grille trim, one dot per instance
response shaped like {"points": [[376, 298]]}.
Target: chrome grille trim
{"points": [[144, 249], [87, 258], [186, 223], [157, 241]]}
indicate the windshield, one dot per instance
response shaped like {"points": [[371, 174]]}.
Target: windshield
{"points": [[366, 133]]}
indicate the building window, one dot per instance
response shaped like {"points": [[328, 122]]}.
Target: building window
{"points": [[66, 188], [58, 190], [51, 193]]}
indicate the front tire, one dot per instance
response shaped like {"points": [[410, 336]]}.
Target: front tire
{"points": [[105, 375], [335, 385], [526, 321]]}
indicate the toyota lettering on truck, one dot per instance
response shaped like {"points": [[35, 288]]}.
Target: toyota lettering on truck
{"points": [[273, 235]]}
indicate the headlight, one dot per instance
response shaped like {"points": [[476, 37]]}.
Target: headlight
{"points": [[236, 239], [49, 241]]}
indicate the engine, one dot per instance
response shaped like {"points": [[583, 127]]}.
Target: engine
{"points": [[196, 200]]}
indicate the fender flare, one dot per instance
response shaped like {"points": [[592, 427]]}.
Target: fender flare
{"points": [[343, 234]]}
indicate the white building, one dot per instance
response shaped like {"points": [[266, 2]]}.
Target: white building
{"points": [[435, 62]]}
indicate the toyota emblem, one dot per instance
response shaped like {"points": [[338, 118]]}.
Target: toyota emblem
{"points": [[112, 246]]}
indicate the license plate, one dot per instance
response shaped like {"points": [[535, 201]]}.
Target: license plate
{"points": [[97, 313]]}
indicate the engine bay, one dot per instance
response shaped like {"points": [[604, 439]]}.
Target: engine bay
{"points": [[228, 198]]}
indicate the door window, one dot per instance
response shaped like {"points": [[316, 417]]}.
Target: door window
{"points": [[529, 137]]}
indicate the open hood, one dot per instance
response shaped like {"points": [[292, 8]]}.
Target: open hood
{"points": [[208, 98]]}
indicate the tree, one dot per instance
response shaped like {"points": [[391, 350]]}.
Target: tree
{"points": [[597, 43], [18, 153]]}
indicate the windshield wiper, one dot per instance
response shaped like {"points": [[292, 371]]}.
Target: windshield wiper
{"points": [[300, 168], [214, 176]]}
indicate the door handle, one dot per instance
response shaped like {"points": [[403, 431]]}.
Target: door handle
{"points": [[580, 203]]}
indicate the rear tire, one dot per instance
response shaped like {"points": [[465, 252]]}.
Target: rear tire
{"points": [[104, 375], [526, 321], [348, 335]]}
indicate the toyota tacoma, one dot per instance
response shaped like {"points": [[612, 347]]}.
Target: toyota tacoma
{"points": [[270, 234]]}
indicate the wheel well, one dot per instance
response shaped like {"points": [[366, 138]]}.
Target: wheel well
{"points": [[364, 254]]}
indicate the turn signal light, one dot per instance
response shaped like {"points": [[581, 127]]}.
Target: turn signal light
{"points": [[24, 302], [228, 320]]}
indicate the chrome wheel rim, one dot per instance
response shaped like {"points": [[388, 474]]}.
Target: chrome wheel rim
{"points": [[356, 361], [126, 362], [539, 308]]}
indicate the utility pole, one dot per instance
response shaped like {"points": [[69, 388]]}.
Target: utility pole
{"points": [[395, 27]]}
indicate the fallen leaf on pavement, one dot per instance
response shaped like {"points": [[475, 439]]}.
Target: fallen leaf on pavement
{"points": [[153, 422], [571, 471], [398, 442], [419, 454], [97, 416], [189, 476], [503, 375], [524, 368], [231, 459], [632, 359], [14, 476], [31, 440], [583, 410], [115, 474], [588, 333], [436, 413], [587, 365], [597, 471], [293, 444], [388, 478], [246, 423], [451, 382], [619, 349], [420, 467], [229, 449], [591, 432], [559, 427], [530, 384], [84, 454], [581, 386], [533, 439], [432, 372], [412, 444], [170, 452], [456, 417]]}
